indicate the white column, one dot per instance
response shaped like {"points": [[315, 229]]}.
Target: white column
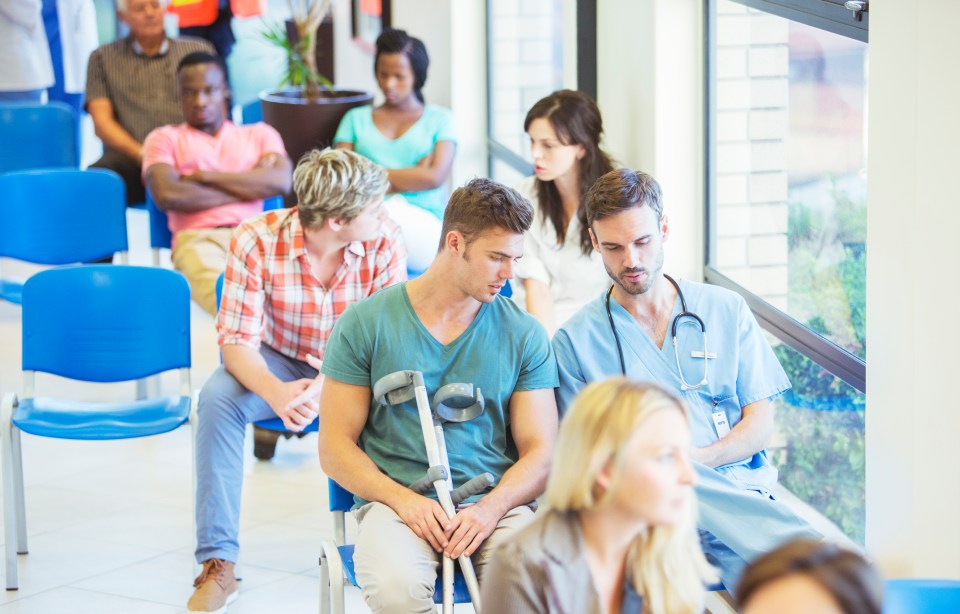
{"points": [[650, 91], [913, 413]]}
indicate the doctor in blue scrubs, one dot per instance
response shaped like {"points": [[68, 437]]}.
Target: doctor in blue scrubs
{"points": [[700, 341]]}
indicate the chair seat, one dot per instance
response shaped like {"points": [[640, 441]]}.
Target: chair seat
{"points": [[67, 419], [921, 596], [460, 592], [11, 291], [276, 424]]}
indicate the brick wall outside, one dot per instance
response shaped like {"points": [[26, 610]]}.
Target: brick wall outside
{"points": [[526, 61], [751, 164]]}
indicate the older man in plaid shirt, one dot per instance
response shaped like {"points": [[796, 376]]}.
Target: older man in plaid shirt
{"points": [[290, 274]]}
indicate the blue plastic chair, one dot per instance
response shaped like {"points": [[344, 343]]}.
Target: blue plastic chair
{"points": [[336, 559], [162, 238], [921, 596], [94, 323], [38, 136], [251, 112], [60, 216]]}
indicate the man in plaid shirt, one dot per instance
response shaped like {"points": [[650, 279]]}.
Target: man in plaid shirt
{"points": [[290, 274]]}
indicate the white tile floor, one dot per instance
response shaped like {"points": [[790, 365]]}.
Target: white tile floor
{"points": [[110, 523]]}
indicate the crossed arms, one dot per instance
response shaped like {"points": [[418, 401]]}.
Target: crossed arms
{"points": [[430, 172], [207, 189]]}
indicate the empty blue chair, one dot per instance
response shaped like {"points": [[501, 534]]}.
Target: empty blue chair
{"points": [[336, 559], [920, 596], [94, 323], [162, 238], [60, 216], [38, 136]]}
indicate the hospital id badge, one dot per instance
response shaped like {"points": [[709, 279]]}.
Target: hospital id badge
{"points": [[720, 423]]}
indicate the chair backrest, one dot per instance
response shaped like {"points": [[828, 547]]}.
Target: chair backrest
{"points": [[219, 289], [341, 499], [160, 235], [251, 112], [62, 216], [919, 596], [274, 202], [106, 323], [38, 136]]}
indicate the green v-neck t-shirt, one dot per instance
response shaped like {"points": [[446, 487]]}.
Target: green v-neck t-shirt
{"points": [[503, 351], [435, 125]]}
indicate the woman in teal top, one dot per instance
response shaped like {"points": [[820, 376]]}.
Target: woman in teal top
{"points": [[413, 140]]}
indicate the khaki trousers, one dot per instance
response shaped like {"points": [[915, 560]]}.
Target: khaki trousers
{"points": [[201, 255], [397, 570]]}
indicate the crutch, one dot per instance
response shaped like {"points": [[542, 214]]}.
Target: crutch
{"points": [[403, 386]]}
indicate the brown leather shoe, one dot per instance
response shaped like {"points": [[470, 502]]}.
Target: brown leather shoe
{"points": [[216, 586]]}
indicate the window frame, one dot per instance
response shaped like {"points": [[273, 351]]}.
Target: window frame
{"points": [[586, 81], [832, 16]]}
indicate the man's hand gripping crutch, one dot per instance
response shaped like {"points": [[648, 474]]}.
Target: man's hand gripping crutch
{"points": [[452, 403]]}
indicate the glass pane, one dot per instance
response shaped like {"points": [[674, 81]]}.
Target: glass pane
{"points": [[504, 173], [820, 445], [525, 64], [790, 180]]}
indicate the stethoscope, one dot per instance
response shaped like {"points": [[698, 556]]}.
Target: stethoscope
{"points": [[678, 320]]}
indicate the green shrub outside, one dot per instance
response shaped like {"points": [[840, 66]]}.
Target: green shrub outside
{"points": [[821, 417]]}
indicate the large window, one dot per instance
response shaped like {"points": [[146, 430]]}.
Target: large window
{"points": [[787, 222], [525, 62]]}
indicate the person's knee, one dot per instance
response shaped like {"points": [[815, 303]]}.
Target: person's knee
{"points": [[201, 262], [395, 587], [220, 397], [396, 570]]}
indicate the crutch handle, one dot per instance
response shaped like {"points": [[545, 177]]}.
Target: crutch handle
{"points": [[425, 483], [474, 486]]}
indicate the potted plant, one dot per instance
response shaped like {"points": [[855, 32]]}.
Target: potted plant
{"points": [[306, 109]]}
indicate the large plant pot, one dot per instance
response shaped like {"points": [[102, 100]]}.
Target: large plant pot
{"points": [[304, 124]]}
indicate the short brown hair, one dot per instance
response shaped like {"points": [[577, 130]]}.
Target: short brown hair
{"points": [[620, 190], [848, 577], [483, 204], [333, 183]]}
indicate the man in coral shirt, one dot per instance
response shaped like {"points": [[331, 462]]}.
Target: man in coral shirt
{"points": [[209, 174]]}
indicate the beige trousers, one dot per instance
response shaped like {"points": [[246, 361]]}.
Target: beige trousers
{"points": [[397, 570], [201, 255]]}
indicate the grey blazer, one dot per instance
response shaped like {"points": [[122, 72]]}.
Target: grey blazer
{"points": [[543, 569]]}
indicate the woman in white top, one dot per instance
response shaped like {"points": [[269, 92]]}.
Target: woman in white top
{"points": [[560, 271]]}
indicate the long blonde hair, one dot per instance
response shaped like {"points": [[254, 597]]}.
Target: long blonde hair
{"points": [[664, 563]]}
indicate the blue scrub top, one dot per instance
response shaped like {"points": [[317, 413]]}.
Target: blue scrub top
{"points": [[744, 371]]}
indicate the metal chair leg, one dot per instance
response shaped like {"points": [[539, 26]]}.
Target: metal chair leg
{"points": [[9, 505], [324, 584], [18, 490], [334, 570], [193, 422]]}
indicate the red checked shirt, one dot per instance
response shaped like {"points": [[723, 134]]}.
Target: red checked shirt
{"points": [[270, 294]]}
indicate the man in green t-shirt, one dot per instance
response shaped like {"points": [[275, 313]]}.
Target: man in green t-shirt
{"points": [[451, 324]]}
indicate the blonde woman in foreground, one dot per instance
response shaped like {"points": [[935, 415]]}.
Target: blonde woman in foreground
{"points": [[619, 531]]}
